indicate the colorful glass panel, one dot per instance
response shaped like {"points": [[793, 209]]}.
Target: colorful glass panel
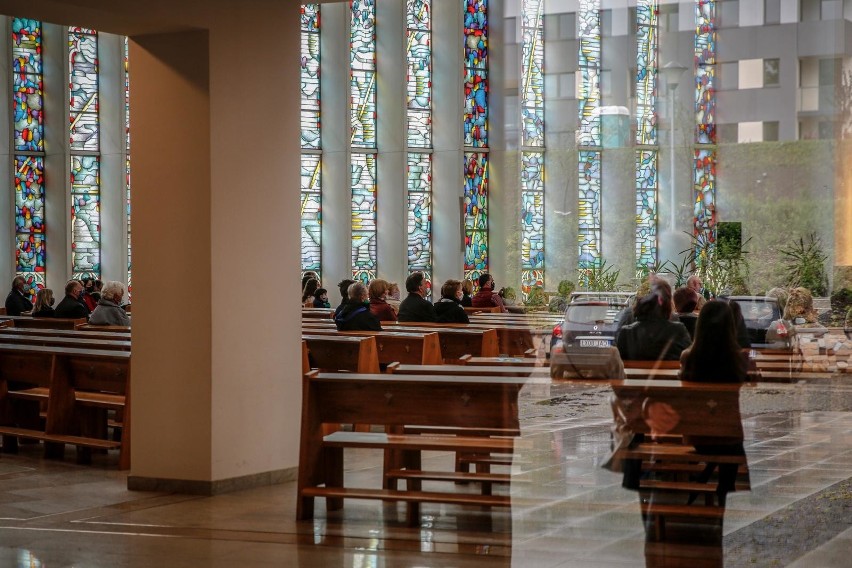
{"points": [[85, 217], [83, 73], [420, 213], [476, 73], [27, 85], [704, 170], [364, 264], [363, 73], [646, 71], [646, 207], [310, 76], [475, 214], [311, 212], [127, 162], [590, 69], [532, 136], [704, 210], [589, 216], [29, 221]]}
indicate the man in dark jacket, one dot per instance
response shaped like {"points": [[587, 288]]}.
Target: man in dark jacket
{"points": [[486, 297], [343, 286], [17, 301], [355, 314], [71, 306], [415, 307]]}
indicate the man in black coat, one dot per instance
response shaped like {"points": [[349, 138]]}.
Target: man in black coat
{"points": [[355, 314], [415, 307], [17, 301], [71, 305]]}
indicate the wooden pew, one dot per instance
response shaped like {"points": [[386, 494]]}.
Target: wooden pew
{"points": [[542, 373], [407, 347], [80, 343], [81, 384], [317, 313], [701, 410], [492, 310], [464, 402], [104, 328], [46, 323], [343, 353], [511, 339], [503, 362], [69, 333]]}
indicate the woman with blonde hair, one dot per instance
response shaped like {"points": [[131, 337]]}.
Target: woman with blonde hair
{"points": [[44, 304], [379, 306], [467, 291]]}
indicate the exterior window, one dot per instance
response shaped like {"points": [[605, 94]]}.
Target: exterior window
{"points": [[770, 72]]}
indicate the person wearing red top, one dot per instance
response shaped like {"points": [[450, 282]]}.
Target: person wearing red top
{"points": [[378, 304], [486, 297]]}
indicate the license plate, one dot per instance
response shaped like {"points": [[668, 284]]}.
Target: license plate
{"points": [[594, 343]]}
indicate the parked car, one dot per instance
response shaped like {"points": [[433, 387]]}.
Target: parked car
{"points": [[764, 322], [590, 321]]}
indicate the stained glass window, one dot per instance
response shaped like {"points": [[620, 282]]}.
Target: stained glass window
{"points": [[647, 12], [475, 137], [85, 217], [127, 161], [475, 214], [85, 168], [311, 162], [532, 144], [704, 186], [311, 212], [364, 217], [589, 135], [29, 147], [419, 137], [362, 110]]}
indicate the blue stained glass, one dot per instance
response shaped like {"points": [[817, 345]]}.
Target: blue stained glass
{"points": [[85, 217], [646, 75], [704, 211], [27, 93], [589, 31], [589, 216], [363, 73], [704, 170], [310, 78], [532, 210], [311, 212], [476, 213], [646, 207], [83, 71]]}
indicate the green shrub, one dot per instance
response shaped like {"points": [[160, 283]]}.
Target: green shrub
{"points": [[565, 288], [805, 262]]}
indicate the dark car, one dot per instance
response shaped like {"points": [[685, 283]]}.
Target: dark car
{"points": [[590, 321], [764, 322]]}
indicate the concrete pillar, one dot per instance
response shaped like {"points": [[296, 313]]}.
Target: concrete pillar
{"points": [[216, 400]]}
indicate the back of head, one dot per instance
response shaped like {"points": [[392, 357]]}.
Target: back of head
{"points": [[450, 288], [343, 286], [685, 300], [378, 288], [357, 291], [413, 282], [657, 303], [70, 286], [307, 276], [310, 287], [484, 279], [44, 299], [467, 286], [113, 291], [17, 281], [715, 350]]}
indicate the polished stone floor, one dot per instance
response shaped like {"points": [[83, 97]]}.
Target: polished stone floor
{"points": [[567, 511]]}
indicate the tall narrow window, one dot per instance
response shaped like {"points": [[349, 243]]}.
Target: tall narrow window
{"points": [[475, 138], [363, 149], [647, 153], [419, 136], [589, 137], [704, 172], [532, 146], [85, 153], [311, 161], [127, 161], [29, 153]]}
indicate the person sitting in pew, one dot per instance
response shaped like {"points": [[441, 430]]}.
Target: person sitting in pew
{"points": [[449, 308], [392, 297], [379, 306], [653, 336], [71, 306], [686, 301], [321, 298], [343, 286], [467, 290], [44, 304], [355, 315], [416, 307], [108, 310], [17, 301], [308, 292], [487, 297]]}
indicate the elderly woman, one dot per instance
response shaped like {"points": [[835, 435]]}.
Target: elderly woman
{"points": [[109, 310]]}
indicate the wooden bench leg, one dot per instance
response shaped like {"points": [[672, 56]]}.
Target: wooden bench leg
{"points": [[304, 508], [413, 514], [334, 475]]}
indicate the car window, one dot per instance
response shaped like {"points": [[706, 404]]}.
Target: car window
{"points": [[590, 314], [753, 311]]}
